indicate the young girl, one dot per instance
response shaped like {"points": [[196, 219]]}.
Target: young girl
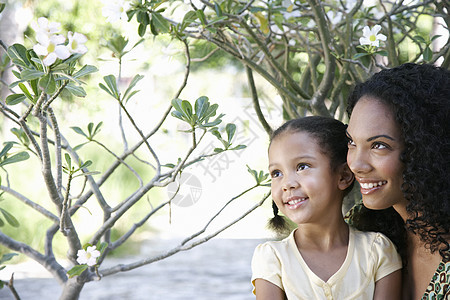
{"points": [[323, 258]]}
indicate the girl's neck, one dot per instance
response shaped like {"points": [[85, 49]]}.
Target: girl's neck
{"points": [[322, 237]]}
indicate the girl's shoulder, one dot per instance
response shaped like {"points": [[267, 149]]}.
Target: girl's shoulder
{"points": [[370, 238], [277, 245]]}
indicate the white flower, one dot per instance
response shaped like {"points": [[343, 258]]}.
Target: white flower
{"points": [[114, 10], [51, 48], [88, 256], [371, 36], [43, 26], [76, 43]]}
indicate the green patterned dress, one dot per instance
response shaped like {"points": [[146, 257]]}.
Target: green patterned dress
{"points": [[439, 287]]}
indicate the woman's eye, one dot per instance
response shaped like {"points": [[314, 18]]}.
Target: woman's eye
{"points": [[302, 167], [351, 143], [380, 146], [275, 174]]}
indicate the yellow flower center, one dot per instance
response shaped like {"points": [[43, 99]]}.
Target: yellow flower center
{"points": [[51, 47], [74, 44], [88, 255], [372, 38]]}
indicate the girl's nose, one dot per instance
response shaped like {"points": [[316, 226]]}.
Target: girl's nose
{"points": [[358, 161], [290, 182]]}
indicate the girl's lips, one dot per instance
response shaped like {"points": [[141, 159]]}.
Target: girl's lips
{"points": [[295, 202]]}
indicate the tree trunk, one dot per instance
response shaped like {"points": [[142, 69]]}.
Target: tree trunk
{"points": [[72, 289]]}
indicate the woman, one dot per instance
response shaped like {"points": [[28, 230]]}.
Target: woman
{"points": [[399, 152]]}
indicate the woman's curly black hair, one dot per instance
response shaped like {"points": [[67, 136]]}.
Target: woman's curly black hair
{"points": [[419, 95]]}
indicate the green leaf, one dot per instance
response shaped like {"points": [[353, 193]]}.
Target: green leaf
{"points": [[239, 147], [60, 67], [427, 54], [85, 70], [435, 37], [101, 246], [111, 82], [168, 165], [77, 270], [141, 29], [419, 39], [64, 76], [359, 55], [2, 223], [30, 74], [47, 84], [217, 9], [10, 218], [103, 87], [25, 91], [21, 156], [143, 18], [15, 99], [6, 257], [186, 108], [188, 18], [176, 103], [160, 22], [78, 130], [201, 107], [77, 147], [97, 128], [132, 84], [177, 115], [6, 148], [75, 90], [86, 164], [231, 130], [216, 20], [130, 95], [90, 126], [201, 16], [68, 160], [18, 52], [382, 53]]}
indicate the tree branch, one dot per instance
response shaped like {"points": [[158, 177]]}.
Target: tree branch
{"points": [[254, 93], [146, 261]]}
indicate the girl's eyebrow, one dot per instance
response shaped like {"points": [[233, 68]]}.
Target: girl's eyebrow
{"points": [[373, 137]]}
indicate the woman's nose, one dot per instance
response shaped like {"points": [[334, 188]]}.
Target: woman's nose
{"points": [[358, 161]]}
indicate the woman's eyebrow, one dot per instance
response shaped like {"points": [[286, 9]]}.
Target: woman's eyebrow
{"points": [[373, 137]]}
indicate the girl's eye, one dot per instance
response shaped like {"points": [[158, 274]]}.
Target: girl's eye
{"points": [[302, 167], [275, 174]]}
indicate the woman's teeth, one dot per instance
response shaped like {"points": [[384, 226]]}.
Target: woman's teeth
{"points": [[372, 184]]}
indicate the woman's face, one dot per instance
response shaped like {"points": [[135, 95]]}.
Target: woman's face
{"points": [[374, 153]]}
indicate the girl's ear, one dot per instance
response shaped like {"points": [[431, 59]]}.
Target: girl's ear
{"points": [[346, 178]]}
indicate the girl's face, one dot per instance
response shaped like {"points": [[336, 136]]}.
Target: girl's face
{"points": [[374, 153], [304, 187]]}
